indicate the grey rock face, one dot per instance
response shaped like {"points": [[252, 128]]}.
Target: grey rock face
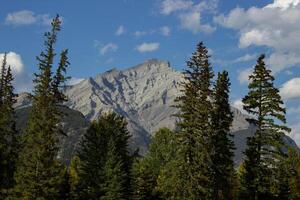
{"points": [[144, 94]]}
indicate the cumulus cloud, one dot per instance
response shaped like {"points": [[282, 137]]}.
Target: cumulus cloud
{"points": [[148, 47], [13, 60], [192, 21], [189, 13], [22, 80], [275, 25], [121, 30], [291, 89], [110, 47], [27, 17]]}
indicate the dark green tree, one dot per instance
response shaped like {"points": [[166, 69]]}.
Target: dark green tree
{"points": [[144, 181], [162, 150], [39, 172], [8, 134], [59, 79], [264, 153], [114, 185], [222, 157], [192, 168], [98, 163]]}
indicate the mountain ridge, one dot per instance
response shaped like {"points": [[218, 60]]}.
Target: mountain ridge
{"points": [[145, 95]]}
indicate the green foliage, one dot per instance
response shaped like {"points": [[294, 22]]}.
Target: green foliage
{"points": [[39, 173], [193, 168], [8, 134], [264, 153], [105, 162], [147, 170], [114, 186], [73, 179], [223, 146], [144, 181]]}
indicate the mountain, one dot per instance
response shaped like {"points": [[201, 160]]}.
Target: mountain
{"points": [[73, 124], [144, 94]]}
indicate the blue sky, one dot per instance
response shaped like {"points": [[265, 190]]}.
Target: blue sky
{"points": [[122, 33]]}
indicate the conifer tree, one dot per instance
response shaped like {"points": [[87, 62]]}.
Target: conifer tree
{"points": [[39, 172], [74, 177], [59, 79], [144, 181], [222, 157], [193, 165], [98, 163], [162, 150], [264, 152], [8, 134], [114, 186]]}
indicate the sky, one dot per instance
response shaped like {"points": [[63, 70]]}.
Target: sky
{"points": [[104, 34]]}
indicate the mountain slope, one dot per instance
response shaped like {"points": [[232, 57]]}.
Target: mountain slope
{"points": [[144, 94]]}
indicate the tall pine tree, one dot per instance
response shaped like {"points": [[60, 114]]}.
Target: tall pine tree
{"points": [[190, 173], [222, 157], [39, 172], [105, 162], [264, 152], [8, 134]]}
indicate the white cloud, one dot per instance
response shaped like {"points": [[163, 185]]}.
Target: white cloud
{"points": [[27, 17], [189, 13], [147, 47], [121, 30], [279, 61], [110, 47], [275, 25], [244, 75], [13, 60], [284, 4], [170, 6], [24, 17], [165, 30], [245, 58], [74, 81], [192, 21], [22, 80], [291, 89]]}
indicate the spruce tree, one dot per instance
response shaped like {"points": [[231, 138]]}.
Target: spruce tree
{"points": [[114, 185], [222, 157], [144, 181], [192, 168], [39, 172], [59, 79], [264, 151], [8, 133], [103, 151], [162, 150]]}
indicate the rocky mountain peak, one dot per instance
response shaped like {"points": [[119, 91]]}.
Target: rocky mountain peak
{"points": [[144, 94]]}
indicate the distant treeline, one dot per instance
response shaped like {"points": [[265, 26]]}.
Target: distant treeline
{"points": [[194, 162]]}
